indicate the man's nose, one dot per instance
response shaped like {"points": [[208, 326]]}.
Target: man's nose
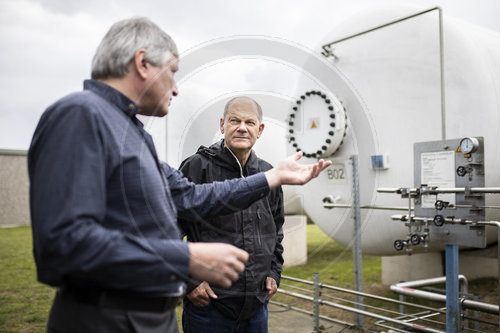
{"points": [[175, 91], [242, 127]]}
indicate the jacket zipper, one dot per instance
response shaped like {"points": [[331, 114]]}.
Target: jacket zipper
{"points": [[258, 212], [237, 161], [258, 227]]}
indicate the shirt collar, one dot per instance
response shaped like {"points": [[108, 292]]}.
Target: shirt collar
{"points": [[113, 96]]}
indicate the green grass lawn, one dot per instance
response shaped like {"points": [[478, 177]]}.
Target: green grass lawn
{"points": [[333, 262], [25, 303]]}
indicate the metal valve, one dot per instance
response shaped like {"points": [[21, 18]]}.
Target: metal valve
{"points": [[415, 239], [438, 220], [461, 171], [399, 244], [440, 204]]}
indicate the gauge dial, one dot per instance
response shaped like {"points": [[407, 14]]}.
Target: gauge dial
{"points": [[469, 145]]}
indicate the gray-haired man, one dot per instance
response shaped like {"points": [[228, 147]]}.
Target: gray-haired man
{"points": [[104, 208]]}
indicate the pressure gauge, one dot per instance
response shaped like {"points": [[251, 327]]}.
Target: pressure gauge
{"points": [[469, 145]]}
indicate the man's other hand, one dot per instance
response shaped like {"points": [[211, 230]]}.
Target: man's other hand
{"points": [[217, 263], [272, 286], [202, 294]]}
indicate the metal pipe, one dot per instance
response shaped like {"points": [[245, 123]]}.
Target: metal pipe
{"points": [[452, 295], [468, 303], [316, 302], [387, 311], [327, 52], [472, 206], [394, 329], [390, 190], [295, 287], [333, 320], [447, 220], [462, 190], [357, 258], [496, 224], [420, 316], [349, 291], [441, 190], [431, 281], [365, 313], [326, 47], [406, 288], [408, 247], [441, 74], [332, 205]]}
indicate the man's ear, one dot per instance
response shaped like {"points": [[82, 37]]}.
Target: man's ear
{"points": [[140, 64], [222, 125], [261, 129]]}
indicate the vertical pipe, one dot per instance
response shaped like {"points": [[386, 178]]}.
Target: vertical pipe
{"points": [[463, 294], [452, 302], [441, 68], [498, 245], [316, 302], [358, 263], [402, 308], [410, 223]]}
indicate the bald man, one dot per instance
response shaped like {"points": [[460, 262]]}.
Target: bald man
{"points": [[257, 229]]}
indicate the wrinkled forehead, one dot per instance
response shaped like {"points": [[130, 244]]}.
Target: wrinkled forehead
{"points": [[243, 113], [172, 61], [243, 108]]}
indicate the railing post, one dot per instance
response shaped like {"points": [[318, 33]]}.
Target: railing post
{"points": [[316, 302], [357, 258], [452, 302]]}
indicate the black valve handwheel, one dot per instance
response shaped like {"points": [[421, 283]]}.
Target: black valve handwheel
{"points": [[439, 204], [438, 220], [399, 245], [461, 171], [415, 239]]}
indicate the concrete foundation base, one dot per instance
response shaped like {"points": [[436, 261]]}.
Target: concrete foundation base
{"points": [[409, 268], [474, 264], [480, 263], [295, 240]]}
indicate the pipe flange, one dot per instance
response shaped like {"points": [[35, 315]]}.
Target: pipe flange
{"points": [[317, 133]]}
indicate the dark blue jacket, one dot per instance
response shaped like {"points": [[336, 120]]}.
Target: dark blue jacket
{"points": [[104, 208]]}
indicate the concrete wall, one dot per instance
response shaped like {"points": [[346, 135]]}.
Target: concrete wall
{"points": [[14, 188]]}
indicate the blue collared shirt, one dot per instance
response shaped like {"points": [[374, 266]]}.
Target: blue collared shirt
{"points": [[104, 208]]}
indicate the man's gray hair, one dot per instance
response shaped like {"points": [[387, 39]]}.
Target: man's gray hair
{"points": [[234, 99], [124, 38]]}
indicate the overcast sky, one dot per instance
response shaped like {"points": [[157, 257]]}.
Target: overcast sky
{"points": [[47, 45]]}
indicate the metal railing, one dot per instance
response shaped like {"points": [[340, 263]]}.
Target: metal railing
{"points": [[424, 318]]}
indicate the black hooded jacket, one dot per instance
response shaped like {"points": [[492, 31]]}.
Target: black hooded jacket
{"points": [[257, 229]]}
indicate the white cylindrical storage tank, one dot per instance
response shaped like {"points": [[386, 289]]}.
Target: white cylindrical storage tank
{"points": [[384, 88], [396, 72]]}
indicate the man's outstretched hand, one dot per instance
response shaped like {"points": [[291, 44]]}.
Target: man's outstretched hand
{"points": [[289, 172]]}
